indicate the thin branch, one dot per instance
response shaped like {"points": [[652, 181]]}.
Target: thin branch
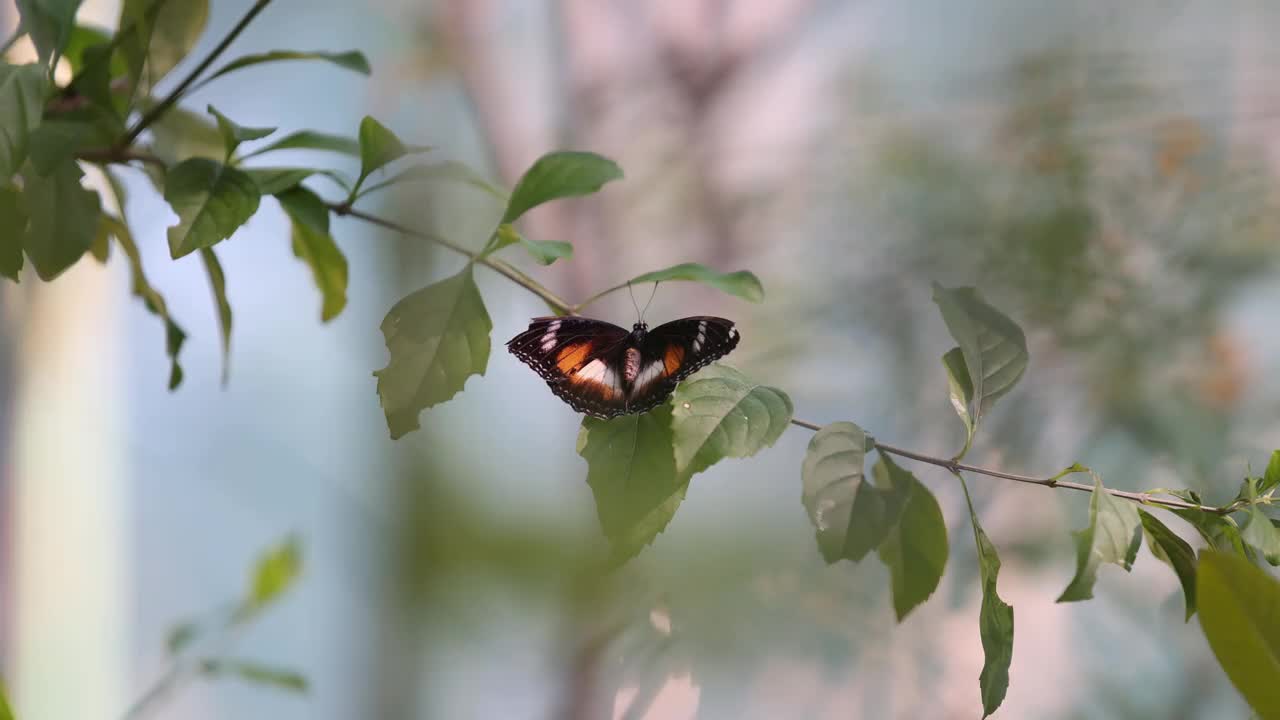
{"points": [[163, 106], [119, 155], [956, 467], [502, 267]]}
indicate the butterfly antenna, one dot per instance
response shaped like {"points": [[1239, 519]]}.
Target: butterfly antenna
{"points": [[646, 305], [639, 314]]}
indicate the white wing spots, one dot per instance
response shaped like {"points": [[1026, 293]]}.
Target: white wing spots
{"points": [[647, 376], [595, 371], [733, 333], [549, 338], [702, 336]]}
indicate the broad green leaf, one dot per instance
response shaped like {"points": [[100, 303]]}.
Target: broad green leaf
{"points": [[961, 388], [275, 180], [1262, 535], [449, 170], [438, 337], [742, 283], [1271, 478], [632, 473], [84, 37], [13, 224], [212, 201], [834, 489], [233, 134], [49, 23], [1113, 536], [1240, 615], [63, 219], [218, 285], [1220, 532], [156, 35], [94, 81], [256, 673], [313, 244], [351, 60], [151, 298], [57, 141], [6, 711], [180, 637], [380, 147], [559, 175], [994, 348], [22, 89], [545, 252], [721, 413], [273, 574], [915, 550], [181, 134], [311, 140], [995, 619], [1174, 552]]}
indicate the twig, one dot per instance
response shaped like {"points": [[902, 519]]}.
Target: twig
{"points": [[956, 467], [119, 155], [500, 266], [163, 106]]}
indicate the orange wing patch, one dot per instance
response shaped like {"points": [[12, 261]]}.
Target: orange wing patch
{"points": [[672, 359], [573, 356]]}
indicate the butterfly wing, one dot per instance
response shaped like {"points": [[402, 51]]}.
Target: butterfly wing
{"points": [[579, 358], [673, 351]]}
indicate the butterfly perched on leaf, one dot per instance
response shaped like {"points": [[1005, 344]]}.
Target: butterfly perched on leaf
{"points": [[604, 370]]}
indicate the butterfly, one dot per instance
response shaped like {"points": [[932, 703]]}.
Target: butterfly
{"points": [[604, 371]]}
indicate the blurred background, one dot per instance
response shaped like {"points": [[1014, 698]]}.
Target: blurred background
{"points": [[1105, 172]]}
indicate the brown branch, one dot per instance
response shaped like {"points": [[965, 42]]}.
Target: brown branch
{"points": [[119, 155]]}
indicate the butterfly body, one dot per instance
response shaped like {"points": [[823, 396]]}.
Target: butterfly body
{"points": [[603, 370]]}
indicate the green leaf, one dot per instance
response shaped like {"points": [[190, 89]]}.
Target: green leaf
{"points": [[438, 337], [181, 134], [1240, 616], [94, 81], [915, 549], [311, 140], [851, 516], [212, 201], [6, 711], [49, 23], [233, 134], [961, 388], [63, 219], [1271, 478], [560, 175], [1113, 536], [995, 619], [156, 35], [57, 141], [1174, 552], [22, 89], [274, 573], [313, 244], [180, 637], [84, 37], [13, 224], [721, 413], [1220, 532], [151, 298], [449, 170], [742, 283], [1261, 534], [545, 252], [218, 285], [632, 473], [275, 180], [256, 673], [351, 60], [380, 147], [994, 348]]}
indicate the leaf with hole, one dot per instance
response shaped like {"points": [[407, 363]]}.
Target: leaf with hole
{"points": [[995, 619], [313, 244], [632, 472], [22, 89], [212, 201], [994, 348], [915, 548], [1240, 616], [1113, 536], [353, 60], [721, 413], [62, 219], [741, 283], [1173, 551], [559, 175], [438, 337], [151, 298]]}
